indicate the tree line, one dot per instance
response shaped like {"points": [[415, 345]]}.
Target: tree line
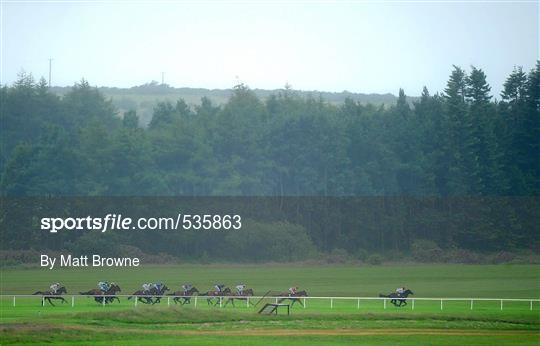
{"points": [[460, 142]]}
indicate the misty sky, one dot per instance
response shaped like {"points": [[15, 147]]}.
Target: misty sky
{"points": [[363, 47]]}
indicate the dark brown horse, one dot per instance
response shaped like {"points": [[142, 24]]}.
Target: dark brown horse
{"points": [[142, 296], [48, 295], [215, 294], [158, 293], [146, 297], [293, 297], [244, 296], [99, 294], [397, 299], [185, 295]]}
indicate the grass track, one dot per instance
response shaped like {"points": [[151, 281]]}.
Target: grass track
{"points": [[318, 324], [508, 281]]}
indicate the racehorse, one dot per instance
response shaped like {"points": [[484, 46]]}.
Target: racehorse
{"points": [[398, 299], [158, 293], [185, 295], [142, 296], [146, 296], [244, 296], [215, 294], [292, 297], [98, 294], [48, 295]]}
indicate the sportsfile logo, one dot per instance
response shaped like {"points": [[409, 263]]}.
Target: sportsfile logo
{"points": [[109, 222], [118, 222]]}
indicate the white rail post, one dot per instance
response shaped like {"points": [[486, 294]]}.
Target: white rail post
{"points": [[276, 300], [358, 304], [413, 303], [501, 304], [72, 301], [136, 298], [13, 300], [247, 302], [472, 303], [220, 302], [331, 303], [195, 301], [168, 301], [530, 306], [441, 304], [42, 300], [384, 302], [304, 303], [104, 299]]}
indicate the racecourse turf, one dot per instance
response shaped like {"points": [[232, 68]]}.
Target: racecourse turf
{"points": [[344, 322]]}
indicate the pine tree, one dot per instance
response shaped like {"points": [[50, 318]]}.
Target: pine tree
{"points": [[531, 124], [482, 114], [514, 110], [463, 168], [514, 88], [402, 106]]}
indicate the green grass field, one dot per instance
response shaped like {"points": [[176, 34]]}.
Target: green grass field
{"points": [[344, 323]]}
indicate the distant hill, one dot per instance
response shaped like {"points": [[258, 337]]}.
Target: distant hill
{"points": [[143, 98]]}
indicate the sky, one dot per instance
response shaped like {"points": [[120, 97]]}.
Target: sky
{"points": [[358, 46]]}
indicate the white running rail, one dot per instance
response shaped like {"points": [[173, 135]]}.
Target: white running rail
{"points": [[304, 300]]}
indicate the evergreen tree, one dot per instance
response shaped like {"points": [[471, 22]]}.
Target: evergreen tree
{"points": [[482, 114], [402, 105], [531, 140], [514, 110], [463, 168]]}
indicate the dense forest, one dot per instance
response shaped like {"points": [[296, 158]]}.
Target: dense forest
{"points": [[461, 142]]}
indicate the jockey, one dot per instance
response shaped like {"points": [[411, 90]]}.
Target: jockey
{"points": [[158, 286], [104, 286], [240, 289], [54, 287], [187, 288], [219, 287], [293, 290], [146, 287], [400, 290]]}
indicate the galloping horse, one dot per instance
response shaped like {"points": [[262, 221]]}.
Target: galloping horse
{"points": [[244, 296], [185, 295], [98, 294], [158, 293], [215, 294], [292, 297], [48, 295], [147, 296], [142, 296], [398, 299]]}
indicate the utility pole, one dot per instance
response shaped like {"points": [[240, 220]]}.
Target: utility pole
{"points": [[50, 68]]}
